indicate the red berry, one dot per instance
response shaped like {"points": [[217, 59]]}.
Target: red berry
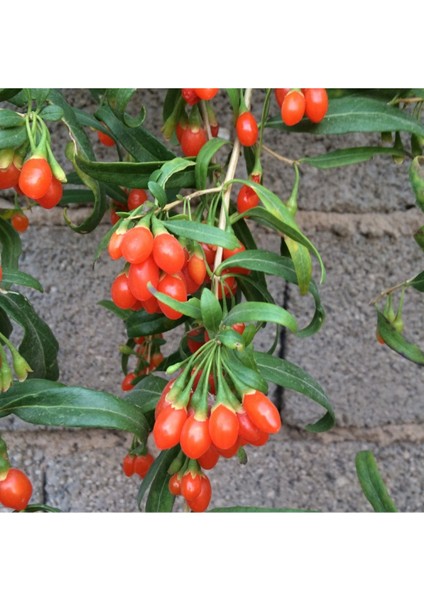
{"points": [[190, 96], [168, 426], [280, 94], [316, 104], [35, 178], [9, 177], [168, 253], [105, 139], [195, 439], [206, 93], [262, 412], [53, 195], [128, 465], [121, 293], [191, 485], [142, 464], [173, 286], [247, 129], [137, 244], [174, 484], [19, 222], [127, 382], [139, 275], [15, 490], [192, 141], [202, 500], [247, 198], [223, 427], [136, 198], [293, 108]]}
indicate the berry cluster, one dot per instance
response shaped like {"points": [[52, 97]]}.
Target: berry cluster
{"points": [[297, 103], [210, 414], [146, 351], [137, 464]]}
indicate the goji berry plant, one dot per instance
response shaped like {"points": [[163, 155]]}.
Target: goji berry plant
{"points": [[183, 238]]}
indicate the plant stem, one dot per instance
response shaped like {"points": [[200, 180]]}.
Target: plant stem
{"points": [[284, 159], [232, 165], [205, 118], [388, 291]]}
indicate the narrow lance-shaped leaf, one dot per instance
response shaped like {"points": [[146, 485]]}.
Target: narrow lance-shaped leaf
{"points": [[261, 215], [10, 118], [372, 483], [261, 312], [200, 232], [416, 177], [302, 263], [418, 282], [161, 463], [203, 160], [211, 311], [57, 405], [11, 245], [348, 156], [39, 347], [12, 277], [397, 342], [85, 151], [12, 137], [146, 393], [191, 308], [143, 323], [287, 375]]}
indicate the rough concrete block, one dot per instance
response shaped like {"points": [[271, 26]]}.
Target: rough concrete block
{"points": [[368, 385]]}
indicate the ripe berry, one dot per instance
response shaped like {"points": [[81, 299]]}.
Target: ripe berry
{"points": [[121, 293], [223, 427], [247, 198], [192, 141], [316, 104], [262, 412], [19, 222], [168, 253], [35, 178], [137, 244], [9, 177], [293, 107], [15, 490], [127, 384], [53, 195], [247, 129], [105, 139], [136, 198], [128, 465], [206, 93], [190, 96], [201, 502], [191, 485], [142, 464]]}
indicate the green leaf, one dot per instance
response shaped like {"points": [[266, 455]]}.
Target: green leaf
{"points": [[39, 347], [249, 376], [85, 151], [171, 98], [146, 393], [231, 339], [348, 156], [12, 137], [6, 326], [10, 118], [143, 323], [397, 342], [234, 97], [256, 509], [7, 94], [354, 114], [118, 99], [418, 282], [416, 177], [200, 232], [419, 237], [73, 196], [372, 483], [287, 375], [261, 215], [190, 308], [12, 277], [171, 167], [132, 174], [44, 403], [39, 95], [302, 263], [261, 312], [40, 508], [11, 246], [158, 192], [203, 160], [211, 311], [160, 498], [160, 465], [141, 144], [119, 312], [52, 113]]}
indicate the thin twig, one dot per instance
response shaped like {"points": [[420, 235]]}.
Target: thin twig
{"points": [[284, 159], [232, 166], [388, 291]]}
